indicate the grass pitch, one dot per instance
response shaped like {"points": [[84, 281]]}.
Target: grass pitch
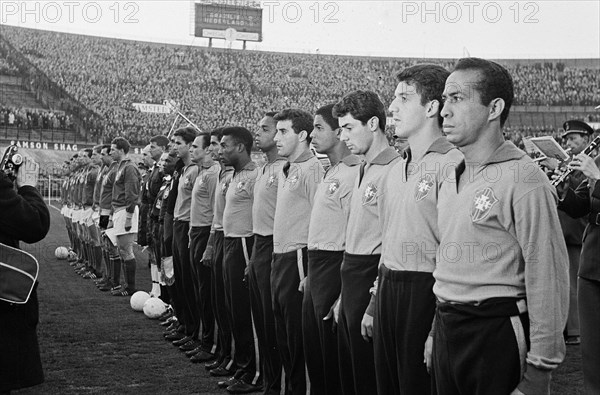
{"points": [[94, 343]]}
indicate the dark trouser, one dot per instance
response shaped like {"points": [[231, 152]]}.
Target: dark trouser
{"points": [[475, 348], [321, 290], [574, 252], [236, 253], [404, 310], [259, 279], [198, 239], [218, 302], [20, 364], [165, 290], [156, 238], [287, 308], [589, 318], [184, 282], [357, 366]]}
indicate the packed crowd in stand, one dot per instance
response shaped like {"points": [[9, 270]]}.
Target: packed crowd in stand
{"points": [[216, 87], [27, 118]]}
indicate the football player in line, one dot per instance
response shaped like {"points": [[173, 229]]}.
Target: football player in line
{"points": [[259, 269], [402, 306], [326, 243], [296, 189], [362, 117]]}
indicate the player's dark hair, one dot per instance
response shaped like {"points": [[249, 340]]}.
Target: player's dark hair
{"points": [[188, 134], [122, 144], [88, 152], [205, 138], [362, 105], [301, 120], [327, 113], [160, 140], [240, 135], [494, 82], [271, 114], [218, 132], [429, 81], [106, 147]]}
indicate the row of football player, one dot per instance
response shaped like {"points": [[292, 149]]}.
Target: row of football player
{"points": [[375, 246]]}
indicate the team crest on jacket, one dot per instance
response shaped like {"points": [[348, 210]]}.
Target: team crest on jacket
{"points": [[271, 181], [333, 186], [186, 182], [483, 202], [424, 185], [370, 194], [240, 186]]}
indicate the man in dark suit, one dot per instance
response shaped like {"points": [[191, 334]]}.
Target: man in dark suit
{"points": [[23, 216]]}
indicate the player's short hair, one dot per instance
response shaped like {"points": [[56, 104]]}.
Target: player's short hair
{"points": [[217, 132], [160, 140], [429, 80], [98, 148], [122, 144], [327, 113], [188, 134], [362, 105], [271, 114], [301, 120], [205, 138], [106, 147], [240, 135], [88, 152], [494, 82]]}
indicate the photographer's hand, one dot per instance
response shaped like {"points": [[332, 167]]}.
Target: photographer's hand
{"points": [[28, 173]]}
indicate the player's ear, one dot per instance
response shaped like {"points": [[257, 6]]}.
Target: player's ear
{"points": [[302, 135], [373, 124], [495, 107], [432, 109]]}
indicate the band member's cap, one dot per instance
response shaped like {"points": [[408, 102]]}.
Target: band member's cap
{"points": [[577, 127]]}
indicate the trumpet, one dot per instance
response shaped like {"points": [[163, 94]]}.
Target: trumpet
{"points": [[566, 171]]}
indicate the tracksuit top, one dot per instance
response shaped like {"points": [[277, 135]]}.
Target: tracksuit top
{"points": [[107, 187], [203, 195], [298, 183], [184, 192], [409, 220], [98, 184], [329, 216], [500, 238], [220, 192], [265, 197], [237, 216], [89, 183], [363, 234], [126, 189]]}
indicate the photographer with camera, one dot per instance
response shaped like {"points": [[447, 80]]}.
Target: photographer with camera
{"points": [[23, 217]]}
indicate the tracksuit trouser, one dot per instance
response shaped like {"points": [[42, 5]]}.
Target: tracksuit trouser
{"points": [[480, 350], [202, 286], [236, 256], [589, 318], [286, 271], [259, 281], [321, 290], [404, 309], [187, 313], [225, 350], [357, 366]]}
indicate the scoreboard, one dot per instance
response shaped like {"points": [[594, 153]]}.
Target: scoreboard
{"points": [[228, 20]]}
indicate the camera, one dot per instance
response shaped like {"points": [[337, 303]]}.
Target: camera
{"points": [[11, 161]]}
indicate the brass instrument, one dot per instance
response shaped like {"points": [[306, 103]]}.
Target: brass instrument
{"points": [[567, 170]]}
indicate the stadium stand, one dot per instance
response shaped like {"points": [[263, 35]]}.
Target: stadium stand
{"points": [[227, 87]]}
